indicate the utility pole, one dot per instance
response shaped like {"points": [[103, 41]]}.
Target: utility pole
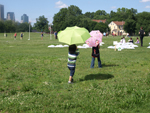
{"points": [[29, 31]]}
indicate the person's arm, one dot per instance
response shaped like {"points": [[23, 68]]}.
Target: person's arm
{"points": [[77, 52]]}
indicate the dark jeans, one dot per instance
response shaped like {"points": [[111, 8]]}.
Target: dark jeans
{"points": [[93, 61], [141, 38], [72, 71]]}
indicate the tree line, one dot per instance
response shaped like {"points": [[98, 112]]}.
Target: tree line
{"points": [[73, 16], [11, 26]]}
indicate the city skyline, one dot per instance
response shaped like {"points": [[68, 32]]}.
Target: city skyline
{"points": [[24, 18], [49, 8], [11, 15], [1, 12]]}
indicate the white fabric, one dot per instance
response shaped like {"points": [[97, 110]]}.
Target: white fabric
{"points": [[83, 46], [122, 45], [59, 46], [51, 46]]}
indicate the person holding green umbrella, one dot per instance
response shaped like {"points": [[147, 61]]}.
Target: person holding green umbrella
{"points": [[72, 56], [72, 36]]}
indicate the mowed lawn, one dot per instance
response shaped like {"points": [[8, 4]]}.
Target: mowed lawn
{"points": [[34, 78]]}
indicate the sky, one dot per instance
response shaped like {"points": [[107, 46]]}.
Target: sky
{"points": [[48, 8]]}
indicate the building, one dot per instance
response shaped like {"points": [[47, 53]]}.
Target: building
{"points": [[1, 12], [11, 16], [104, 21], [24, 18], [116, 27]]}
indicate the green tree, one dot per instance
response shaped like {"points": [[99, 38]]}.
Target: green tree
{"points": [[89, 15], [101, 26], [130, 25], [66, 17], [100, 12], [142, 19], [41, 24], [10, 26], [83, 21], [23, 27], [72, 14], [2, 26], [91, 26], [59, 22]]}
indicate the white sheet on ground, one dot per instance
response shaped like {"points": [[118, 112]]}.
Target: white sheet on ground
{"points": [[148, 47], [79, 46], [122, 45]]}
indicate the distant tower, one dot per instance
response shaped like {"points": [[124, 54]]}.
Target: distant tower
{"points": [[24, 18], [11, 16], [1, 12]]}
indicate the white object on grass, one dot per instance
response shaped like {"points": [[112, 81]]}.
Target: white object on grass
{"points": [[51, 46], [148, 47]]}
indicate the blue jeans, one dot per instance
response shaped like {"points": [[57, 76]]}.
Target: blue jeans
{"points": [[72, 71], [93, 61]]}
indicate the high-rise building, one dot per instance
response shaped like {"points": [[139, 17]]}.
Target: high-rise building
{"points": [[11, 16], [1, 12], [24, 18]]}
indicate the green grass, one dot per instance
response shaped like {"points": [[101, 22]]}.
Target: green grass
{"points": [[34, 78]]}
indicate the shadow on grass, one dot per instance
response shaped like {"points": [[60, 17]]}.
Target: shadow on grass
{"points": [[97, 76], [109, 65]]}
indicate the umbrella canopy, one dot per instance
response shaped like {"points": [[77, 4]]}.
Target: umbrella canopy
{"points": [[97, 34], [73, 35], [92, 42]]}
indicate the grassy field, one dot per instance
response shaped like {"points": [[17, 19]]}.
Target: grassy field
{"points": [[34, 78]]}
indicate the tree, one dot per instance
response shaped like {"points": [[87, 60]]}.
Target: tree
{"points": [[41, 24], [10, 26], [89, 15], [100, 12], [91, 26], [72, 13], [66, 17], [130, 25], [59, 20], [23, 27], [142, 19], [101, 26], [2, 26]]}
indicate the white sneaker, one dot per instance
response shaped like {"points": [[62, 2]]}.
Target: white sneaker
{"points": [[69, 82]]}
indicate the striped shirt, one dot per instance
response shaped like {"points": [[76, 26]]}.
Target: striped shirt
{"points": [[72, 59]]}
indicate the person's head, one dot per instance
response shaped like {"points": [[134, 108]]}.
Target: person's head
{"points": [[130, 38], [141, 27], [137, 38], [72, 48]]}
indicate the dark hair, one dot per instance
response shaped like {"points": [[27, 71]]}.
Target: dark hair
{"points": [[72, 48], [141, 27]]}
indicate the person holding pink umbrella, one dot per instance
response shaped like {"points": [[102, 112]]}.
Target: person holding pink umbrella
{"points": [[96, 54], [93, 41]]}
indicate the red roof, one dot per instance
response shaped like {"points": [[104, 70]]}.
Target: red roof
{"points": [[119, 22], [99, 20]]}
